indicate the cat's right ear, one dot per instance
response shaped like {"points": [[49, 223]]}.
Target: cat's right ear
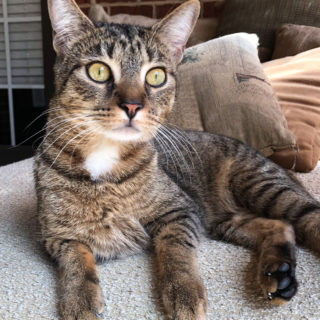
{"points": [[175, 29], [68, 21]]}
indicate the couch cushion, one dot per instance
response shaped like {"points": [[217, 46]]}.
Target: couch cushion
{"points": [[296, 81], [222, 89], [293, 39], [264, 17], [29, 277]]}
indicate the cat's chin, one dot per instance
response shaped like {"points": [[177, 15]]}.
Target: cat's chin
{"points": [[125, 134]]}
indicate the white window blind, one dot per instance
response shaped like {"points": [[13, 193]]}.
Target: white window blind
{"points": [[26, 53], [21, 64], [23, 8], [3, 67]]}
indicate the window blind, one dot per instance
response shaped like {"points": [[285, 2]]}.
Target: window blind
{"points": [[3, 70], [21, 48], [25, 42], [26, 52], [23, 8]]}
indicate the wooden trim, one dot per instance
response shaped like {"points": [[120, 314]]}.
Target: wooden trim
{"points": [[49, 55]]}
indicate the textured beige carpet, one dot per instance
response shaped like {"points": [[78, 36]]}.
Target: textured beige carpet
{"points": [[27, 288]]}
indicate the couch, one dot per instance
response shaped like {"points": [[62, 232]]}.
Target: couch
{"points": [[28, 276]]}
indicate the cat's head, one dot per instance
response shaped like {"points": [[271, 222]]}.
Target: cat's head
{"points": [[118, 79]]}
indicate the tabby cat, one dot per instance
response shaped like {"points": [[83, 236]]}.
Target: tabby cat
{"points": [[112, 179]]}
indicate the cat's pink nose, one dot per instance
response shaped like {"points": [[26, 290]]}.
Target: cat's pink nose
{"points": [[131, 109]]}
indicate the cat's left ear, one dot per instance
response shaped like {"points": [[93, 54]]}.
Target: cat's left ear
{"points": [[175, 29], [68, 21]]}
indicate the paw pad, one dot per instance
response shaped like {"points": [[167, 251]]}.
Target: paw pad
{"points": [[286, 282]]}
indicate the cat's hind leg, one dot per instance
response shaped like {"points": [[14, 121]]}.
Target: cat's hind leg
{"points": [[306, 222], [80, 296], [274, 241], [275, 193]]}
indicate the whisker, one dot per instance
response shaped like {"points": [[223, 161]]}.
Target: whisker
{"points": [[64, 117], [72, 128], [165, 144], [159, 142], [93, 130], [79, 134], [183, 136], [42, 114], [180, 135], [167, 151], [177, 150], [59, 124], [43, 129], [34, 120], [53, 110], [183, 145]]}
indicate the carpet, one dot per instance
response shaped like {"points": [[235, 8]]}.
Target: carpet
{"points": [[28, 276]]}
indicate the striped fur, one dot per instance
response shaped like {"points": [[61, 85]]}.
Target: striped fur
{"points": [[108, 187]]}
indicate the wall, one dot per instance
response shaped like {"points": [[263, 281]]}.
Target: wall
{"points": [[153, 9]]}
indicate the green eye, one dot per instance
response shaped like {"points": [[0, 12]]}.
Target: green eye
{"points": [[98, 72], [156, 77]]}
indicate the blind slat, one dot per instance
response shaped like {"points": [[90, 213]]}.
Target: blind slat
{"points": [[33, 54], [11, 2], [26, 36], [28, 80], [23, 8], [26, 72], [30, 63], [21, 45], [24, 27]]}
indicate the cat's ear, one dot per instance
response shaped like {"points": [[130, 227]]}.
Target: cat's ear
{"points": [[175, 29], [68, 21]]}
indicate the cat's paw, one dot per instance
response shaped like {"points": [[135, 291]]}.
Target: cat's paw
{"points": [[277, 272], [278, 282], [186, 300], [84, 304]]}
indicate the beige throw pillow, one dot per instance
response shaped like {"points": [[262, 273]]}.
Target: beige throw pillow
{"points": [[222, 89]]}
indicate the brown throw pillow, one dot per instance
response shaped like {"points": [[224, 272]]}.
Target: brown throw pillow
{"points": [[264, 17], [223, 89], [296, 82], [293, 39]]}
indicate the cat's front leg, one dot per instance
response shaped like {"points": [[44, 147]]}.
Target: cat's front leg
{"points": [[80, 296], [182, 292]]}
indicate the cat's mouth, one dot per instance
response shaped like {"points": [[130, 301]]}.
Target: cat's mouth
{"points": [[125, 132], [128, 128]]}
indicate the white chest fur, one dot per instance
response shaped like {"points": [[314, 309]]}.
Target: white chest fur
{"points": [[102, 158]]}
